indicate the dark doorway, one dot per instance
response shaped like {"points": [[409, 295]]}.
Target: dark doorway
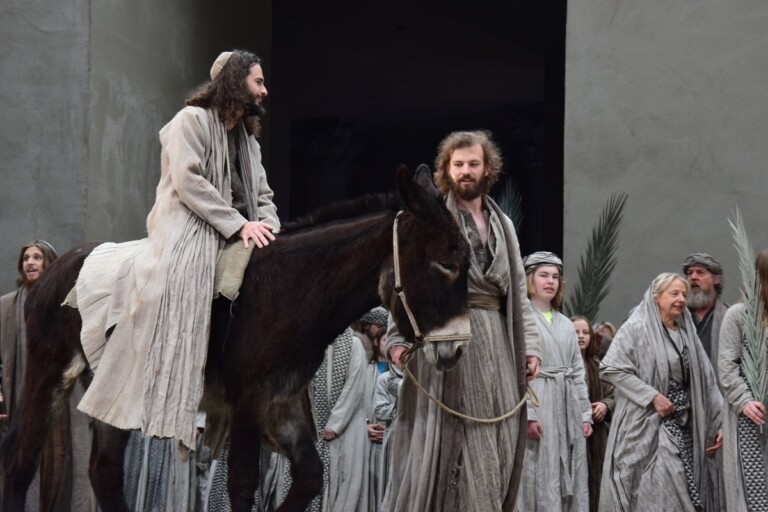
{"points": [[363, 88]]}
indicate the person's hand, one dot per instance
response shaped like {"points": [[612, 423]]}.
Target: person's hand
{"points": [[586, 428], [712, 450], [376, 433], [534, 430], [396, 353], [599, 410], [532, 367], [259, 232], [755, 411], [329, 435], [663, 406]]}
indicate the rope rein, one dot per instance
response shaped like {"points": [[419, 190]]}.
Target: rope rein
{"points": [[398, 292], [529, 393]]}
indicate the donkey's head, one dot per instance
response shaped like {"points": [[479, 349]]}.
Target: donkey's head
{"points": [[433, 267]]}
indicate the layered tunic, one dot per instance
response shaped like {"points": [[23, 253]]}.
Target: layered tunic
{"points": [[374, 449], [443, 463], [555, 470], [385, 409], [644, 462], [708, 330], [745, 449], [151, 298]]}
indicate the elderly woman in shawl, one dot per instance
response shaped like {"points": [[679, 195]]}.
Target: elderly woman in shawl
{"points": [[667, 413], [555, 470], [745, 451]]}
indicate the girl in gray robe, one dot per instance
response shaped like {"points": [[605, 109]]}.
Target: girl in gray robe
{"points": [[654, 462], [555, 469]]}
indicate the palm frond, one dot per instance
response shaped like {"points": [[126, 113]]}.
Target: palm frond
{"points": [[597, 264], [511, 202], [755, 358]]}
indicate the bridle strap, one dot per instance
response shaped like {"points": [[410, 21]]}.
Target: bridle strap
{"points": [[398, 292]]}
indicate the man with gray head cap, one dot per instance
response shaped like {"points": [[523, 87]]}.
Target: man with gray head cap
{"points": [[439, 462], [705, 275], [213, 190]]}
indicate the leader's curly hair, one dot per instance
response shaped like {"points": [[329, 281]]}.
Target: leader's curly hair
{"points": [[228, 93], [461, 140]]}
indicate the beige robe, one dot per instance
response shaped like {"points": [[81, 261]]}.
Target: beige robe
{"points": [[442, 463], [151, 298]]}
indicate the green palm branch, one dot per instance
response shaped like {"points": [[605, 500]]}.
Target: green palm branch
{"points": [[597, 264], [755, 358], [511, 202]]}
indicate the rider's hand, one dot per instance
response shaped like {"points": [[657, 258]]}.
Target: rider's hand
{"points": [[259, 232]]}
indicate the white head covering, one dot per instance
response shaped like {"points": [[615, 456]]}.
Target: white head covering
{"points": [[219, 63]]}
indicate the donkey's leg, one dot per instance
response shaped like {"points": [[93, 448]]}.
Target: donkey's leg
{"points": [[289, 428], [243, 459], [106, 466]]}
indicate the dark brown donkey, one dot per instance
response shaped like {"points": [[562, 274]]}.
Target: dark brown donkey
{"points": [[297, 295]]}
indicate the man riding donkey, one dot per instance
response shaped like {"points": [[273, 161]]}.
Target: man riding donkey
{"points": [[146, 304]]}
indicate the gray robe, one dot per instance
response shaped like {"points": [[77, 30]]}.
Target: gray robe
{"points": [[643, 469], [442, 463], [555, 470], [156, 293], [737, 394]]}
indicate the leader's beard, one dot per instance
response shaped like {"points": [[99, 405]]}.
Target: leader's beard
{"points": [[252, 118], [471, 193]]}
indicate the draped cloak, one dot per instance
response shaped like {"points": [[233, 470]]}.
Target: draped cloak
{"points": [[643, 469], [555, 470], [737, 394], [151, 298], [443, 463]]}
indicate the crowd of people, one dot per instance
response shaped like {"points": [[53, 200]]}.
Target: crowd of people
{"points": [[632, 418]]}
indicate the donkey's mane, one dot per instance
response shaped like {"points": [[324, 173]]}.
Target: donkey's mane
{"points": [[344, 211]]}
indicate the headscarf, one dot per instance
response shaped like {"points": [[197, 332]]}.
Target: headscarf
{"points": [[536, 259], [376, 316]]}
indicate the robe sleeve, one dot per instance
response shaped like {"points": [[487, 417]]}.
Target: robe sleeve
{"points": [[394, 338], [579, 376], [383, 402], [266, 208], [619, 368], [734, 386], [184, 147], [351, 396], [608, 396], [532, 336]]}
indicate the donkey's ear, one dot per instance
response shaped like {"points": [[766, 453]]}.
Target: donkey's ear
{"points": [[423, 177], [417, 200]]}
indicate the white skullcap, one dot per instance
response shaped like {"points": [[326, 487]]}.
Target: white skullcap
{"points": [[219, 63]]}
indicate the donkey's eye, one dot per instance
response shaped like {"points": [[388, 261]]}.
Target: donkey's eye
{"points": [[448, 267]]}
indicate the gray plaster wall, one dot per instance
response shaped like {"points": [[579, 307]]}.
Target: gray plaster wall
{"points": [[665, 101], [86, 88], [43, 126]]}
